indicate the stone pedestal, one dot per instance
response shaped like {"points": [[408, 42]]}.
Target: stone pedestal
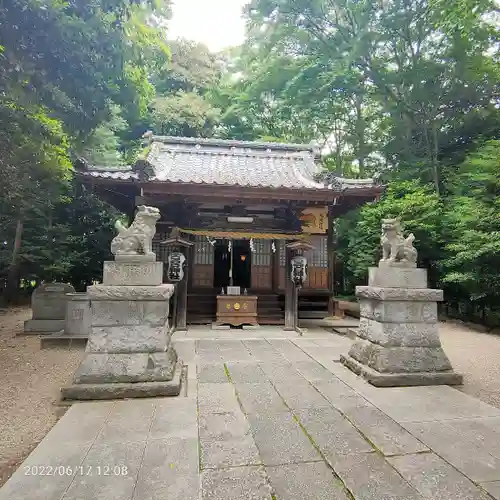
{"points": [[129, 352], [397, 341], [48, 304]]}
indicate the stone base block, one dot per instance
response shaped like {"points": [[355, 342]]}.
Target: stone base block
{"points": [[129, 313], [399, 294], [399, 311], [135, 258], [401, 379], [37, 326], [64, 341], [131, 273], [399, 359], [126, 390], [399, 334], [122, 292], [136, 367], [397, 277], [129, 339]]}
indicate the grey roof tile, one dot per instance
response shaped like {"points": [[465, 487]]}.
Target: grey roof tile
{"points": [[234, 163]]}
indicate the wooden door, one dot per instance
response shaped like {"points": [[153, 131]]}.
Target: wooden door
{"points": [[262, 270], [203, 265], [317, 264]]}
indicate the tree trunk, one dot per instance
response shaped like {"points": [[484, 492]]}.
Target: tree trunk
{"points": [[360, 133], [434, 157], [12, 287]]}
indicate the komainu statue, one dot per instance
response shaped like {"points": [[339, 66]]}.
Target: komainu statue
{"points": [[136, 239], [395, 247]]}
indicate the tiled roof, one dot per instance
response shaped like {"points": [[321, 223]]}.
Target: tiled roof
{"points": [[231, 163]]}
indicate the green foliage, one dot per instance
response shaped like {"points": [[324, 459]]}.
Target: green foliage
{"points": [[420, 210], [184, 114], [473, 227]]}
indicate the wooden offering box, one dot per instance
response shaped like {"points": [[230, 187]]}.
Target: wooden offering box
{"points": [[236, 310]]}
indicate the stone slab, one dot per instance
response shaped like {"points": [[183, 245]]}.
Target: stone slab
{"points": [[131, 273], [260, 398], [169, 470], [248, 373], [280, 439], [107, 292], [457, 449], [121, 461], [218, 454], [300, 394], [386, 434], [397, 277], [369, 477], [212, 373], [104, 368], [235, 484], [38, 326], [484, 431], [399, 334], [399, 359], [401, 379], [217, 398], [229, 426], [129, 339], [493, 488], [422, 404], [174, 418], [431, 476], [332, 433], [399, 311], [310, 481], [125, 390]]}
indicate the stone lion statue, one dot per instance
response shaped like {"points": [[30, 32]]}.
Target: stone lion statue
{"points": [[395, 247], [136, 239]]}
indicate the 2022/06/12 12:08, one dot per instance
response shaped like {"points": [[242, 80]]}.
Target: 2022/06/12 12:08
{"points": [[80, 470]]}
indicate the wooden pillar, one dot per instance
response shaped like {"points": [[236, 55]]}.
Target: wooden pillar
{"points": [[177, 243], [289, 292], [331, 263], [181, 292], [275, 262]]}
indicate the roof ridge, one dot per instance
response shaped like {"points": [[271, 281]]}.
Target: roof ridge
{"points": [[167, 139]]}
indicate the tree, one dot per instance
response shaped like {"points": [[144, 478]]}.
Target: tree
{"points": [[472, 227], [425, 75]]}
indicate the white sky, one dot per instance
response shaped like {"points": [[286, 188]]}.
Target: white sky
{"points": [[216, 23]]}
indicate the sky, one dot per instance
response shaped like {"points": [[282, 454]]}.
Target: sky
{"points": [[216, 23]]}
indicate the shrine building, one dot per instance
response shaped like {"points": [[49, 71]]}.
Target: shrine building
{"points": [[236, 207]]}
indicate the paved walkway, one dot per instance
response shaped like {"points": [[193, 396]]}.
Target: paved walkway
{"points": [[270, 415]]}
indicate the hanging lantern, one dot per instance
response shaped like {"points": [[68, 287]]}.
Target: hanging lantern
{"points": [[273, 247], [299, 270], [176, 262]]}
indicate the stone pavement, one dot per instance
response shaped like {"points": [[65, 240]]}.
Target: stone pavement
{"points": [[270, 415]]}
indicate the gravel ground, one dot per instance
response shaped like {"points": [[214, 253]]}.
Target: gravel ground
{"points": [[30, 383], [477, 356], [31, 379]]}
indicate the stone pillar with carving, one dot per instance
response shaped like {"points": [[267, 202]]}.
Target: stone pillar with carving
{"points": [[129, 352], [397, 341]]}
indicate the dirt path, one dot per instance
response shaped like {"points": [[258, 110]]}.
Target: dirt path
{"points": [[477, 356], [30, 383]]}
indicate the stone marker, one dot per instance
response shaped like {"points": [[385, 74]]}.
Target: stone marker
{"points": [[78, 319], [48, 304], [129, 352], [398, 341]]}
